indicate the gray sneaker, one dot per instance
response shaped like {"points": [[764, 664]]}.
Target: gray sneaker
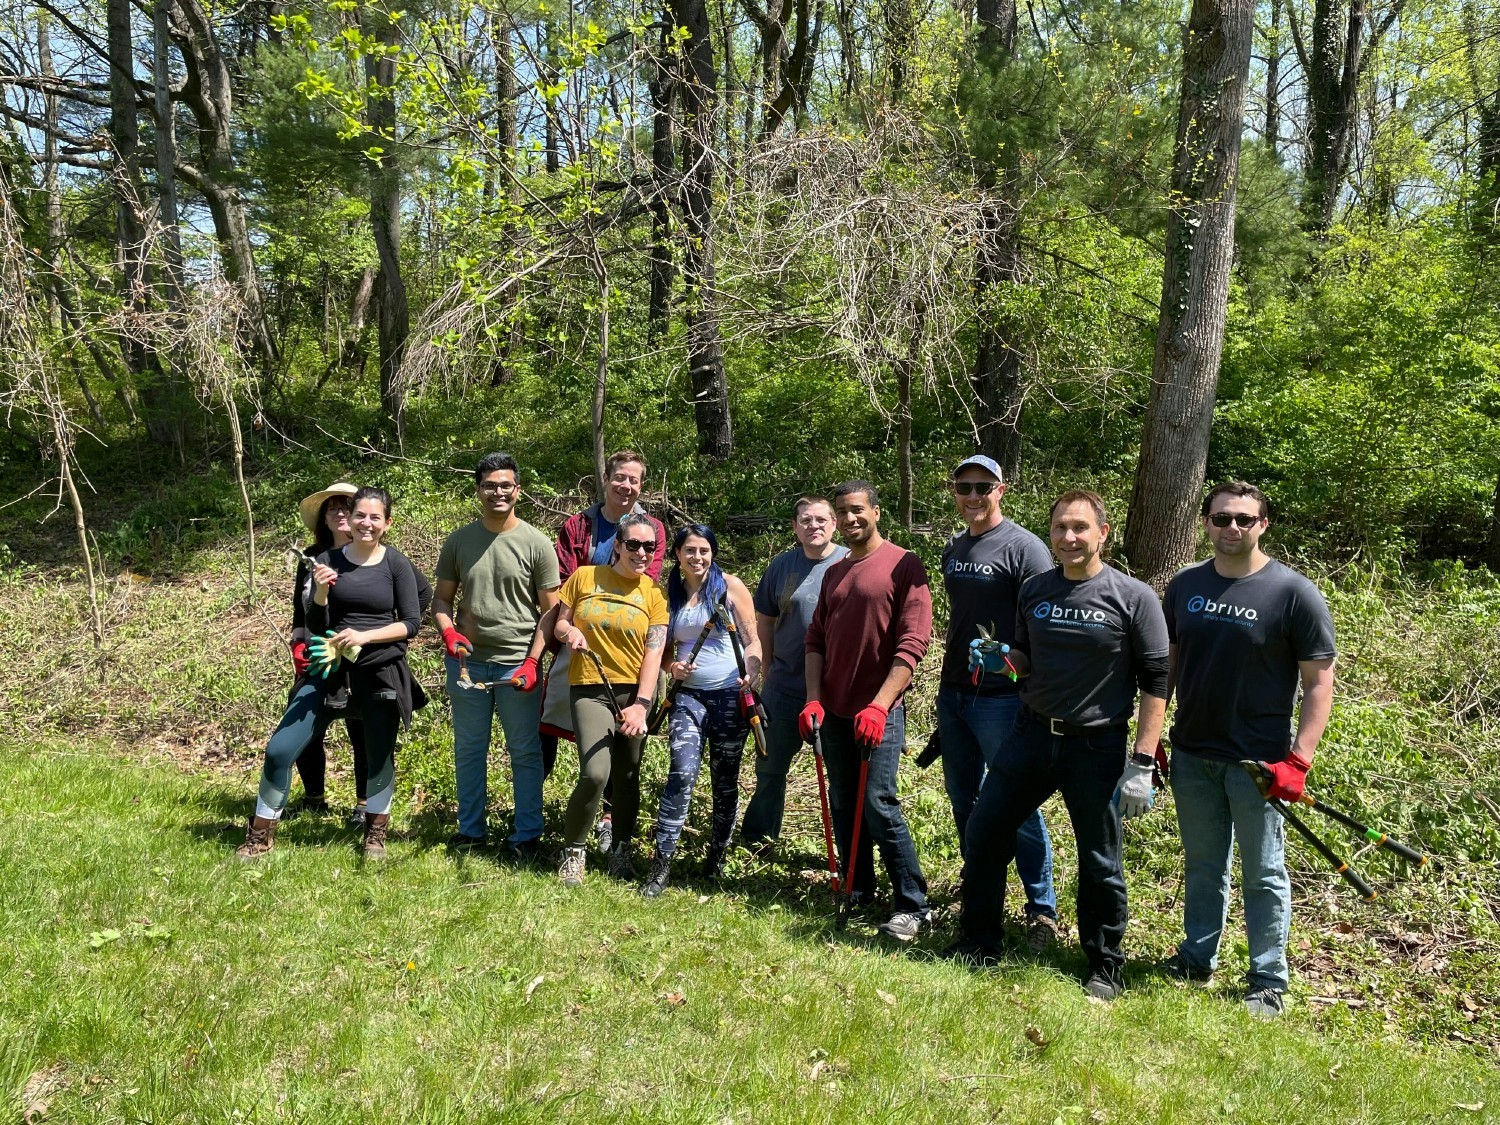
{"points": [[903, 926], [1101, 987], [571, 871], [1264, 1003]]}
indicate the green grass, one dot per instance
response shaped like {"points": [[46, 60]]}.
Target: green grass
{"points": [[147, 976]]}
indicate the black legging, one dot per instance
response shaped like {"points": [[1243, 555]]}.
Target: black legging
{"points": [[312, 766]]}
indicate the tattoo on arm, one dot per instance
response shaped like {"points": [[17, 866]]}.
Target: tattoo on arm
{"points": [[656, 637]]}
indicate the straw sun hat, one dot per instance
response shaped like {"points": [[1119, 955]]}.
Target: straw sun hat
{"points": [[311, 505]]}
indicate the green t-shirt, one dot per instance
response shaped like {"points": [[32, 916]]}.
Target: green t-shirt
{"points": [[499, 576]]}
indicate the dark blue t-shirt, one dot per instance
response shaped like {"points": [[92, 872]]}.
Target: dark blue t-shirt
{"points": [[788, 591], [1238, 643], [982, 575], [604, 541], [1091, 643]]}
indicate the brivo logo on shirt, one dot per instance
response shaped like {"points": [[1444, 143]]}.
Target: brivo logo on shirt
{"points": [[1047, 611], [1227, 611]]}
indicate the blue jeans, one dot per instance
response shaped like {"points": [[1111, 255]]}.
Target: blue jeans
{"points": [[768, 804], [1031, 766], [883, 825], [1217, 803], [473, 720], [972, 728], [700, 718]]}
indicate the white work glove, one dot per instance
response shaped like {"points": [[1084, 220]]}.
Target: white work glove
{"points": [[1133, 796]]}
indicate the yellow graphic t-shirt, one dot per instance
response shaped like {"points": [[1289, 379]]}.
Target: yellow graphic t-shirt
{"points": [[613, 613]]}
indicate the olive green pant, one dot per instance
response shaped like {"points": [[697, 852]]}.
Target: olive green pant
{"points": [[604, 755]]}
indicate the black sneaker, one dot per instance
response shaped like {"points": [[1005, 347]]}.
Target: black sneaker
{"points": [[526, 851], [713, 864], [1179, 968], [458, 842], [1102, 987], [661, 872], [1264, 1003], [967, 951], [903, 925]]}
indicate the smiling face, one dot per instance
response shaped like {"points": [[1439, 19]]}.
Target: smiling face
{"points": [[858, 519], [974, 509], [336, 518], [623, 488], [1077, 538], [813, 527], [1234, 541], [635, 547], [369, 521], [695, 556], [497, 493]]}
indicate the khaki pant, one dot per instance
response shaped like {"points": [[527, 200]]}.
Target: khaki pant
{"points": [[604, 756]]}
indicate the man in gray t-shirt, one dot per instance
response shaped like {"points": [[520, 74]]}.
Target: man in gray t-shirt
{"points": [[1246, 631], [983, 568], [1088, 637], [784, 604]]}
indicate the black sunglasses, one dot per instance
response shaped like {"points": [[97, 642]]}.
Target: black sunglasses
{"points": [[1239, 519], [633, 545], [975, 487]]}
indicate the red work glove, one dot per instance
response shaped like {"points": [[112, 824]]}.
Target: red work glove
{"points": [[527, 676], [813, 712], [1287, 779], [300, 663], [869, 725], [454, 640]]}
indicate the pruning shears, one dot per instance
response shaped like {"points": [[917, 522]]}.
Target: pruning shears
{"points": [[324, 654], [982, 651], [464, 681]]}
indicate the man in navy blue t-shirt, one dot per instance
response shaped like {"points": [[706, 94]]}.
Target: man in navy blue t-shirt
{"points": [[1246, 632]]}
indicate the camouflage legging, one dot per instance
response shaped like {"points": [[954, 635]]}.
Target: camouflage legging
{"points": [[703, 716]]}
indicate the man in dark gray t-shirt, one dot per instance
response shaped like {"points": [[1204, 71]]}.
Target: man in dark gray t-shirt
{"points": [[784, 604], [983, 568], [1246, 630], [1087, 638]]}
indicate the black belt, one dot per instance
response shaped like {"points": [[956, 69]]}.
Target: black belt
{"points": [[1072, 730]]}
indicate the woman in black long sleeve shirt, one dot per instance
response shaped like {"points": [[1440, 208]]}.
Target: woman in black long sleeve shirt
{"points": [[365, 594]]}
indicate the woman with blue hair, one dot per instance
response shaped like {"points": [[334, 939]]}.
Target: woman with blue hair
{"points": [[703, 601]]}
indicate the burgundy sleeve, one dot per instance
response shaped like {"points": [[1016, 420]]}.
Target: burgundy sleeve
{"points": [[654, 570], [913, 623]]}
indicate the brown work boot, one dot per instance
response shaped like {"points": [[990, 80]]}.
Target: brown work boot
{"points": [[375, 827], [260, 836]]}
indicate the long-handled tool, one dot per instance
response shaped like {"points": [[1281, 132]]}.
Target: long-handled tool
{"points": [[833, 863], [664, 706], [464, 680], [609, 691], [1262, 777], [859, 816], [750, 704]]}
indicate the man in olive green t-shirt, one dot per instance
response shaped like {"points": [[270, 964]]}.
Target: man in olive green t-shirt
{"points": [[507, 570]]}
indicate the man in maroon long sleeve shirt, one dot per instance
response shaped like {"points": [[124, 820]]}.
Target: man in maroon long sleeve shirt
{"points": [[869, 631]]}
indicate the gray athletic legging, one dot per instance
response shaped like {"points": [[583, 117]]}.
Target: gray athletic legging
{"points": [[604, 756], [381, 718]]}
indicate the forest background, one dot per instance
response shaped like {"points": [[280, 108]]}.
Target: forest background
{"points": [[249, 249]]}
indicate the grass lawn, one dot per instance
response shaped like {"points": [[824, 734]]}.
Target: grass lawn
{"points": [[145, 975]]}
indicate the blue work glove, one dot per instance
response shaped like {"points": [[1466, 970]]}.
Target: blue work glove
{"points": [[987, 658], [1133, 795]]}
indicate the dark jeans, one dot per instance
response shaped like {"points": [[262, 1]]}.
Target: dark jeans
{"points": [[1032, 765], [768, 804], [883, 824], [698, 718]]}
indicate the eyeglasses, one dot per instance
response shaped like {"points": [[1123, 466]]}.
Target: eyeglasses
{"points": [[813, 521], [489, 488], [634, 545], [975, 487], [1239, 519]]}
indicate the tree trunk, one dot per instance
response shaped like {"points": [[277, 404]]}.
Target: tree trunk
{"points": [[385, 222], [1162, 534], [1492, 548], [1273, 80], [900, 39], [662, 87], [508, 137], [906, 369], [705, 349], [55, 233], [166, 152], [549, 75]]}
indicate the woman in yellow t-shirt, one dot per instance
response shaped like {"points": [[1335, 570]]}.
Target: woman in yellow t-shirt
{"points": [[617, 613]]}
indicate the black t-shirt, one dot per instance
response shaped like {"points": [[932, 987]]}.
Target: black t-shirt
{"points": [[369, 597], [982, 575], [1238, 643], [1091, 643]]}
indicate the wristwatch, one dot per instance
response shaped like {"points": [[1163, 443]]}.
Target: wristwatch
{"points": [[1143, 759], [643, 702]]}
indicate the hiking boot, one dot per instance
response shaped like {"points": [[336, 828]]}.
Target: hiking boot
{"points": [[1041, 932], [1264, 1003], [571, 871], [1102, 987], [967, 951], [621, 864], [903, 926], [1179, 968], [604, 834], [656, 882], [375, 827], [356, 818], [260, 837], [713, 863], [458, 842]]}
